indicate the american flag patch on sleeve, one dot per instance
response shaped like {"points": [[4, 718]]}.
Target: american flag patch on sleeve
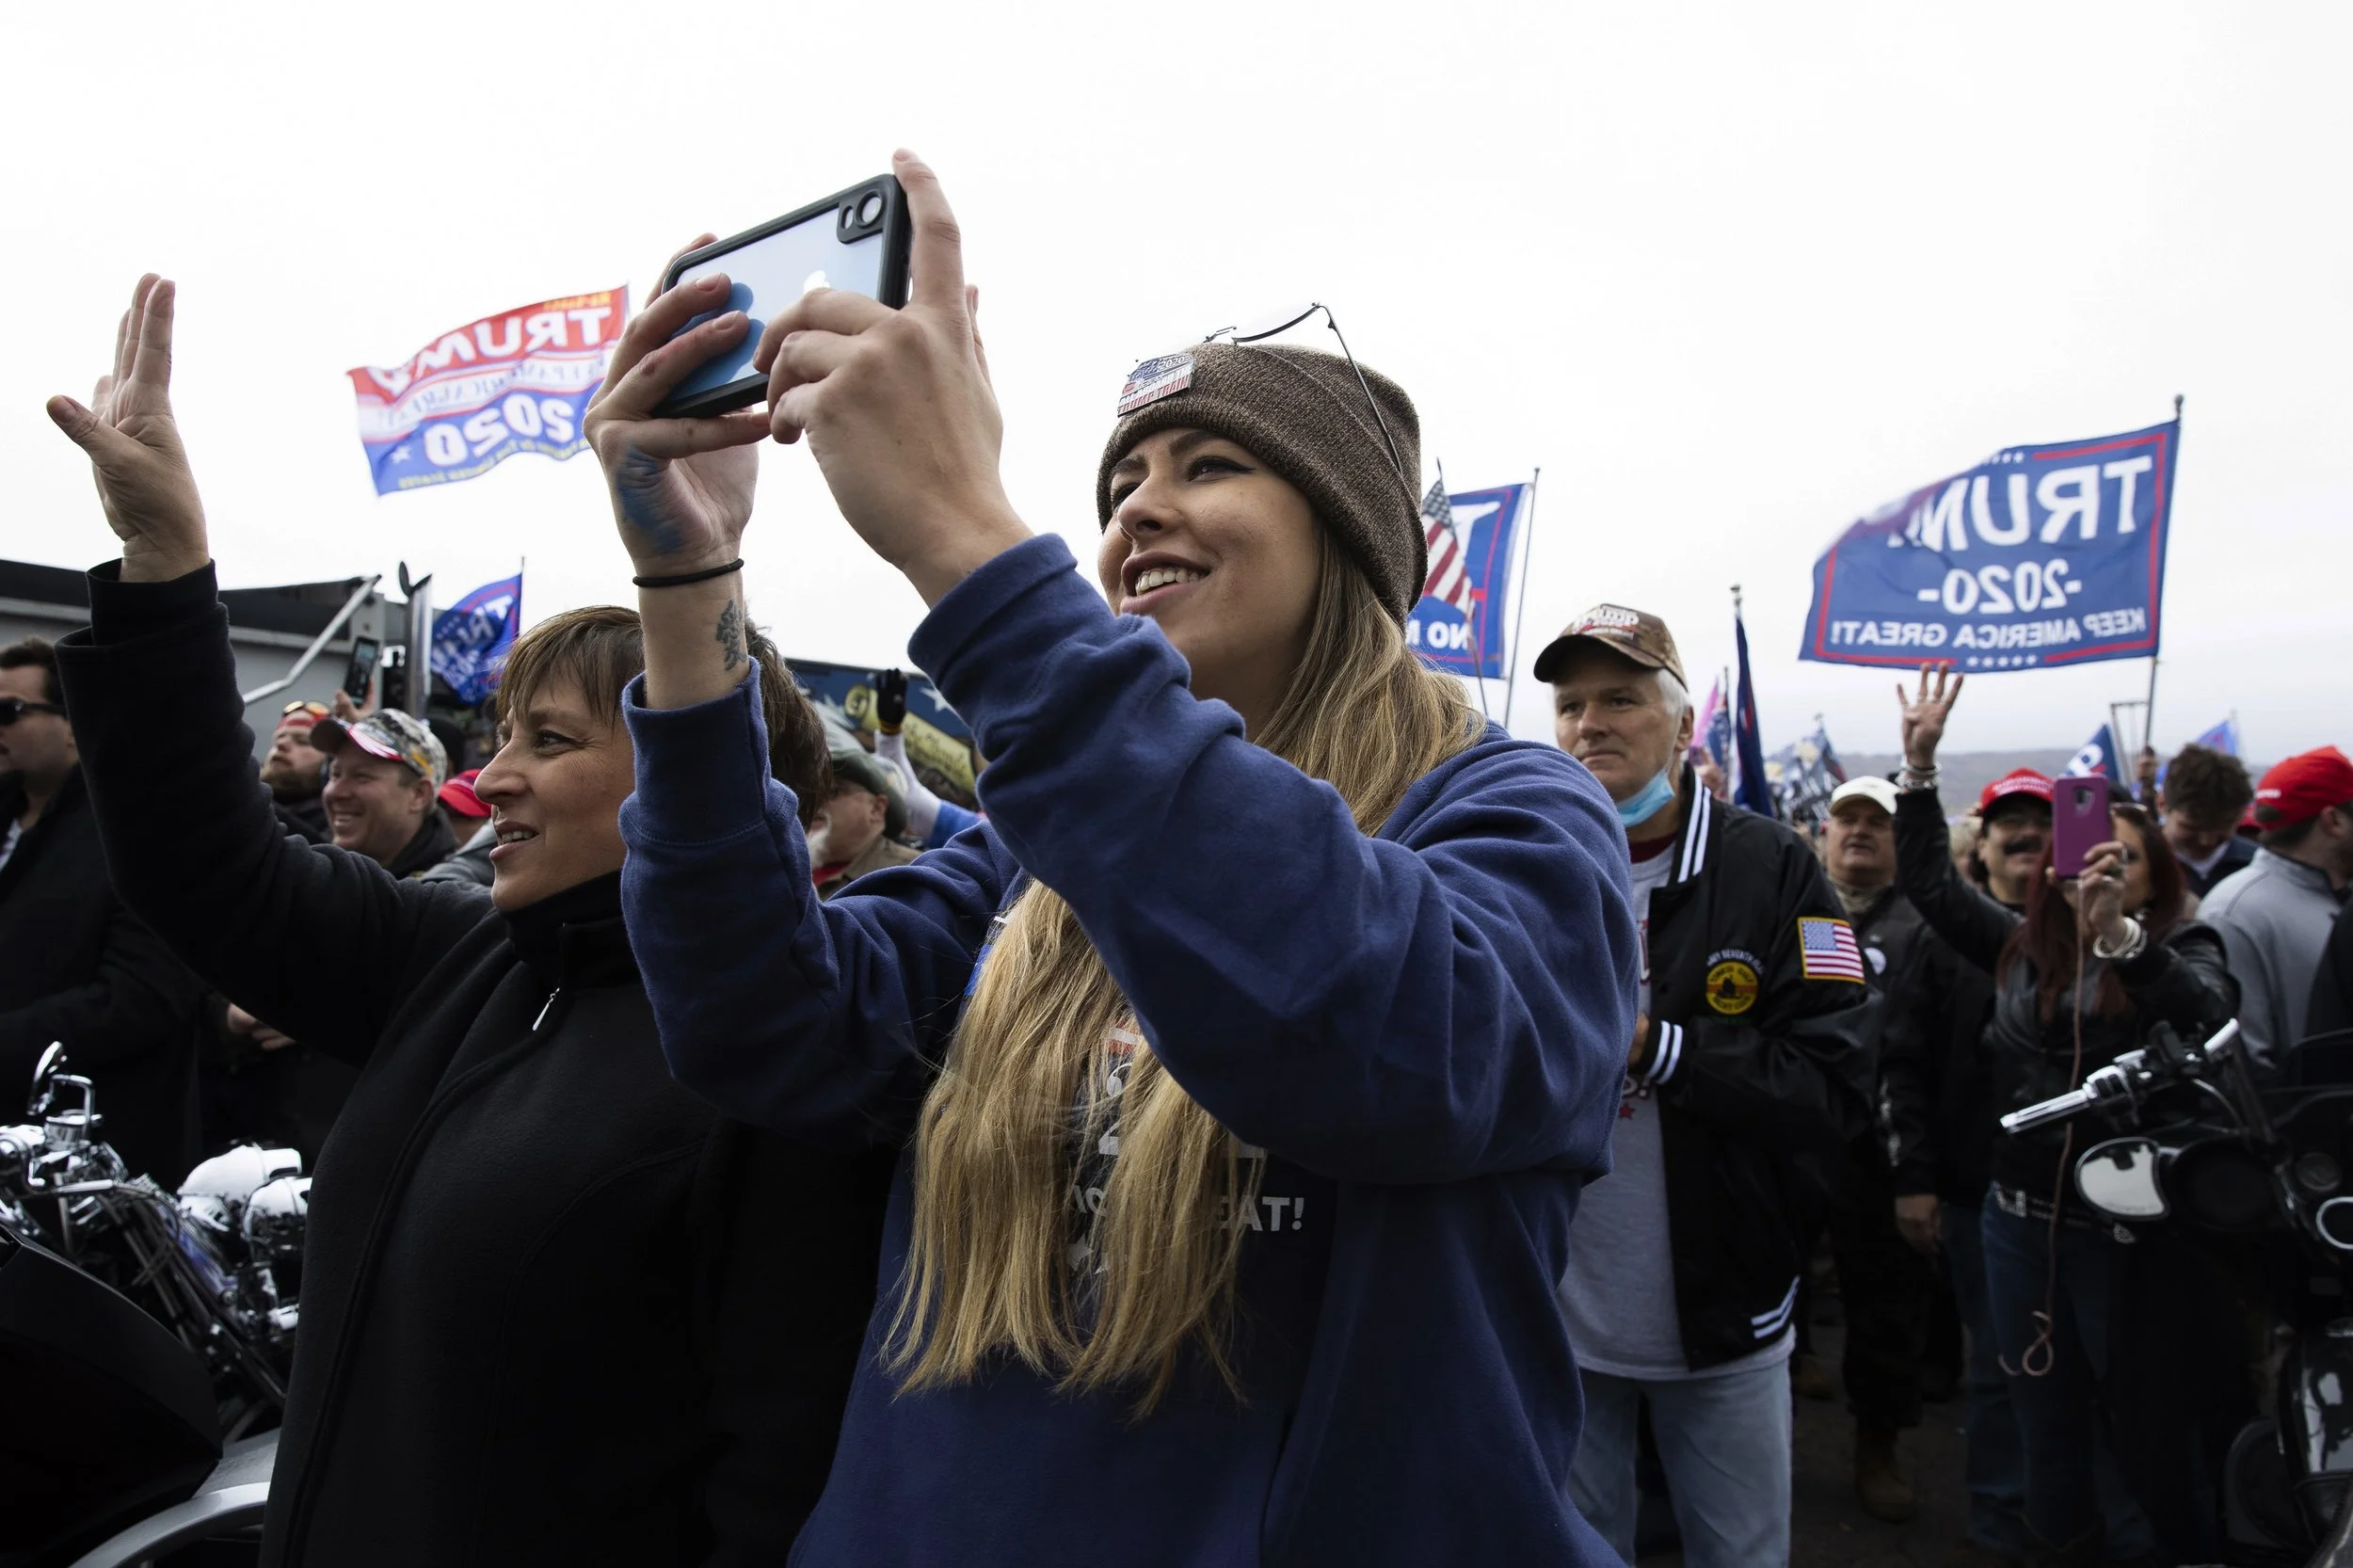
{"points": [[1827, 950]]}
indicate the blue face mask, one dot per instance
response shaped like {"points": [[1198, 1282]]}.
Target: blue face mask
{"points": [[1640, 808]]}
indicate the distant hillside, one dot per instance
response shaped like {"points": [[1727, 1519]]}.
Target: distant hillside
{"points": [[1966, 773]]}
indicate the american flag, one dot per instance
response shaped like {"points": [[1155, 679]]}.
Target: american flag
{"points": [[1827, 950], [1448, 581]]}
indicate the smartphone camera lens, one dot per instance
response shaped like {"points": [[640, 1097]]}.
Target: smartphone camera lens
{"points": [[869, 210]]}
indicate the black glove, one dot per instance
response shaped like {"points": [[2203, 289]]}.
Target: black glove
{"points": [[890, 700]]}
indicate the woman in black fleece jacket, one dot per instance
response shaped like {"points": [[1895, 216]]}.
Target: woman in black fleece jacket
{"points": [[554, 1308], [2092, 965]]}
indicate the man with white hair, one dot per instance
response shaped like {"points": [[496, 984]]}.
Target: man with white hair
{"points": [[1748, 1072]]}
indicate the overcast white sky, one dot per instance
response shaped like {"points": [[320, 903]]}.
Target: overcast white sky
{"points": [[1732, 276]]}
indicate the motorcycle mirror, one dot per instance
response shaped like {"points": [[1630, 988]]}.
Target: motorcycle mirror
{"points": [[2335, 1221], [51, 1060], [2120, 1179]]}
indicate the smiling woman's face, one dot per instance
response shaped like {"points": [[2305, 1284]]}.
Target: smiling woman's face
{"points": [[554, 791], [1223, 553]]}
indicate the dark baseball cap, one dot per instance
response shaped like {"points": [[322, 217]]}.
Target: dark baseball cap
{"points": [[1634, 635]]}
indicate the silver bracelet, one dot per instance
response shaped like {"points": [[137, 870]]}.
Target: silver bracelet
{"points": [[1909, 777], [2133, 944]]}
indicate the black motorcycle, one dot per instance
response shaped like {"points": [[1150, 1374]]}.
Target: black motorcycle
{"points": [[2263, 1175], [152, 1330]]}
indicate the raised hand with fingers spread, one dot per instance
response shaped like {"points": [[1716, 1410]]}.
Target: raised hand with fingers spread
{"points": [[1925, 712], [898, 406], [136, 456]]}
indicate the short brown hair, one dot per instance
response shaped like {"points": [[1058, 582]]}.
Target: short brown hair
{"points": [[602, 649], [2208, 786], [36, 653]]}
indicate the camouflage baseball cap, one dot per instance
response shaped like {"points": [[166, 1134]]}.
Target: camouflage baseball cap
{"points": [[1634, 635], [390, 734]]}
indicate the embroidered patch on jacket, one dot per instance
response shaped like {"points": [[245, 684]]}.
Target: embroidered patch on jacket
{"points": [[1154, 380], [1731, 987], [1827, 950]]}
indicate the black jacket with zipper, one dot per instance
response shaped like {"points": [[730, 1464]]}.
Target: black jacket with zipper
{"points": [[1762, 1073], [2183, 979], [78, 969], [554, 1308]]}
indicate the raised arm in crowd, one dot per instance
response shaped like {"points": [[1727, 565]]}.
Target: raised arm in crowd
{"points": [[2081, 973], [554, 1308], [1247, 1062]]}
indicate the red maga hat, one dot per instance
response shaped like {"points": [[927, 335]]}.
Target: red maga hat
{"points": [[2018, 781], [458, 795], [2303, 787]]}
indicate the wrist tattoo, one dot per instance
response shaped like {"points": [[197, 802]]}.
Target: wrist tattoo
{"points": [[728, 635]]}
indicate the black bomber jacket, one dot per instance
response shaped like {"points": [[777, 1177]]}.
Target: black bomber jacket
{"points": [[1761, 1056]]}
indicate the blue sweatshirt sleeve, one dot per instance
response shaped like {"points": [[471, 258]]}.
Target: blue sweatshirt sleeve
{"points": [[1451, 1000], [820, 1020]]}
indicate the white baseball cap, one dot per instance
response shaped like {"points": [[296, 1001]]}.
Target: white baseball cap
{"points": [[1878, 791]]}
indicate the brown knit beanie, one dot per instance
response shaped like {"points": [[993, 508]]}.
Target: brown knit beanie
{"points": [[1303, 414]]}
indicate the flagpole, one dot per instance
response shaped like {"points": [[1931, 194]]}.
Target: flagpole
{"points": [[2148, 713], [1519, 615]]}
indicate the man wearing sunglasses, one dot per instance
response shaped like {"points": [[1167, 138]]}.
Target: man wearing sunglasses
{"points": [[75, 965]]}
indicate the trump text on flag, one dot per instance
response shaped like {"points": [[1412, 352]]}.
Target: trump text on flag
{"points": [[2040, 555], [516, 381]]}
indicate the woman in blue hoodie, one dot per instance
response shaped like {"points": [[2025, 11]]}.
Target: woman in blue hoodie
{"points": [[1249, 1058]]}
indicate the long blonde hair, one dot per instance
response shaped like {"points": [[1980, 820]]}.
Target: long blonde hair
{"points": [[995, 1148]]}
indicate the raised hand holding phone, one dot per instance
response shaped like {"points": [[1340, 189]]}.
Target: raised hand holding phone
{"points": [[682, 489], [141, 468], [898, 408]]}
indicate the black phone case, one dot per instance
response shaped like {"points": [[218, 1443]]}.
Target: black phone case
{"points": [[897, 236]]}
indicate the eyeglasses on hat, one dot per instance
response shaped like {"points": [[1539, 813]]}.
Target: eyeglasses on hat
{"points": [[1283, 322]]}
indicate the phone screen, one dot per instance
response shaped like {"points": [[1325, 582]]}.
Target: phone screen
{"points": [[362, 671], [771, 272], [2079, 820]]}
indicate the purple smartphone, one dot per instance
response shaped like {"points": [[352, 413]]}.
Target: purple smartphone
{"points": [[2079, 820]]}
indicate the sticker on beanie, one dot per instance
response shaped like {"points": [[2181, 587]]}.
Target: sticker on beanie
{"points": [[1154, 380]]}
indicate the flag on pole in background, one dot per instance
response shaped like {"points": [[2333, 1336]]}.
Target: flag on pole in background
{"points": [[470, 638], [1448, 583], [2040, 555], [517, 381], [1458, 626], [1711, 732], [2097, 758], [1752, 789], [1803, 775], [2223, 737]]}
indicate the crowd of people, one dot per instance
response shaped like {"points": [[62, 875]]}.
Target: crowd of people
{"points": [[1296, 1124]]}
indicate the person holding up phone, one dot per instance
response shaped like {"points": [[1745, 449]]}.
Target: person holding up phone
{"points": [[555, 1309], [2080, 977], [1248, 1058]]}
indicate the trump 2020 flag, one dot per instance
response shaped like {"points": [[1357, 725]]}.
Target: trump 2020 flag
{"points": [[471, 637], [2096, 757], [1458, 626], [2039, 556], [516, 381]]}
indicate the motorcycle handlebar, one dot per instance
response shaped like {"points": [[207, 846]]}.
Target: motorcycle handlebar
{"points": [[2123, 1081]]}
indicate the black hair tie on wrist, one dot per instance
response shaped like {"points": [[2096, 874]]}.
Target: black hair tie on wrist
{"points": [[682, 579]]}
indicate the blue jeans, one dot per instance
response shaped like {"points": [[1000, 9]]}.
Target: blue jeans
{"points": [[2068, 1478], [1997, 1469], [1724, 1441]]}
